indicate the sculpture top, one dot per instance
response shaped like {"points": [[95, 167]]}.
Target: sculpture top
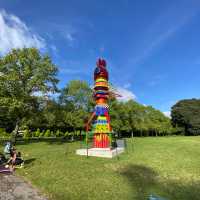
{"points": [[101, 63], [101, 71]]}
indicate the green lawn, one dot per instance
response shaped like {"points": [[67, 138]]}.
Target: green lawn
{"points": [[162, 166]]}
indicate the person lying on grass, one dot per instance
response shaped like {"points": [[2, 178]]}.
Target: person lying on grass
{"points": [[15, 159]]}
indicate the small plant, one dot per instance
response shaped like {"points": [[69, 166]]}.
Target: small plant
{"points": [[37, 133], [52, 134], [26, 134], [47, 133], [78, 133], [62, 134], [3, 133], [41, 134], [66, 134], [58, 133]]}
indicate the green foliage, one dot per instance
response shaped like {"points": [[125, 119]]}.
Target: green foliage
{"points": [[59, 133], [27, 134], [47, 133], [132, 117], [52, 134], [76, 101], [37, 133], [24, 72], [186, 116], [3, 133], [66, 134], [42, 133], [77, 94], [78, 133]]}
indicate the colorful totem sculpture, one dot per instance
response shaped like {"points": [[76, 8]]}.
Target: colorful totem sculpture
{"points": [[101, 127]]}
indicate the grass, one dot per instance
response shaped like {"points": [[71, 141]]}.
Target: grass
{"points": [[162, 166]]}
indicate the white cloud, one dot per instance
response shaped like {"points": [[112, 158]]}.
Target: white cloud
{"points": [[14, 33], [69, 37], [125, 94], [54, 48], [167, 114], [127, 85], [62, 31], [164, 27]]}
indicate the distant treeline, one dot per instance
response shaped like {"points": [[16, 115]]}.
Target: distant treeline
{"points": [[27, 77]]}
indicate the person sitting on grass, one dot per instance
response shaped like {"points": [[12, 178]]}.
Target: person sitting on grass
{"points": [[15, 159], [7, 149]]}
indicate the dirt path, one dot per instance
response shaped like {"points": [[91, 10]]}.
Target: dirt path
{"points": [[15, 188]]}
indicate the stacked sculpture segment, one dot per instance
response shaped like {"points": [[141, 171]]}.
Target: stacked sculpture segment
{"points": [[101, 131], [101, 127]]}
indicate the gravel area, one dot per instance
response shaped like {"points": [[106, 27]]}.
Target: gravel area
{"points": [[15, 188]]}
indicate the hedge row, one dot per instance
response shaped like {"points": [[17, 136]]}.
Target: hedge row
{"points": [[42, 133]]}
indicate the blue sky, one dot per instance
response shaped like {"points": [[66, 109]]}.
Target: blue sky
{"points": [[152, 47]]}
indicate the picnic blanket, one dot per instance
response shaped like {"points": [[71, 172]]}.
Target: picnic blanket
{"points": [[3, 169]]}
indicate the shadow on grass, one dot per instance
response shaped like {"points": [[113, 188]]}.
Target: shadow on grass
{"points": [[145, 181], [29, 161]]}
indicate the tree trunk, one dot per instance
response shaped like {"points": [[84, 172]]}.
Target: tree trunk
{"points": [[15, 132]]}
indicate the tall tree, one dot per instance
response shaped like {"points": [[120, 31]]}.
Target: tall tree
{"points": [[186, 115], [77, 92], [25, 74], [77, 102]]}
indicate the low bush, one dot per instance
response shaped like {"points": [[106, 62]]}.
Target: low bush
{"points": [[47, 133], [27, 134], [4, 134]]}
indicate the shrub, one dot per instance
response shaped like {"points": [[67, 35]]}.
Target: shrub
{"points": [[62, 134], [66, 134], [3, 133], [58, 133], [78, 133], [41, 134], [36, 133], [52, 134], [47, 133], [26, 134]]}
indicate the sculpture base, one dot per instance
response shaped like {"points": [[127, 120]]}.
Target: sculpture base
{"points": [[100, 152]]}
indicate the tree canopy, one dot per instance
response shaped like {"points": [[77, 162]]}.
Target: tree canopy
{"points": [[132, 117], [24, 75], [186, 116], [27, 77]]}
